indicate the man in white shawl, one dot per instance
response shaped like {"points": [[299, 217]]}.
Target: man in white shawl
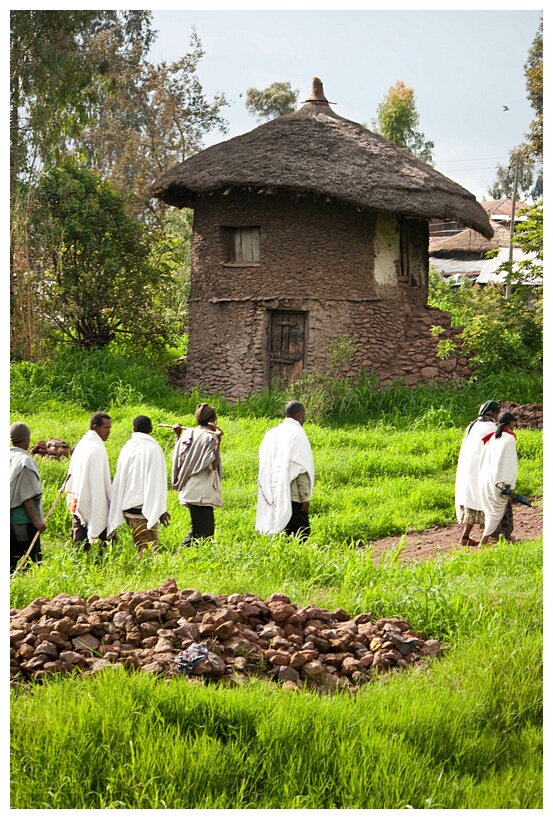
{"points": [[89, 483], [469, 508], [196, 471], [25, 497], [286, 476], [498, 475], [139, 491]]}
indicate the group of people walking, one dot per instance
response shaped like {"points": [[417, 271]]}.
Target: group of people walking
{"points": [[138, 494], [486, 475], [485, 480]]}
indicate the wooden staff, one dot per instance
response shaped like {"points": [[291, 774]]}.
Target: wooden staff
{"points": [[37, 533]]}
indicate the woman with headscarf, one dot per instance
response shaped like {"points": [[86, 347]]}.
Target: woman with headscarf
{"points": [[196, 471], [497, 478], [467, 495]]}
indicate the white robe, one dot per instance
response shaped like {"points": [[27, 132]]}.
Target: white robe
{"points": [[89, 480], [498, 464], [25, 481], [140, 480], [284, 453], [467, 492]]}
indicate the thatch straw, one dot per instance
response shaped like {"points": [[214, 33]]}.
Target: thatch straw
{"points": [[313, 150], [469, 241]]}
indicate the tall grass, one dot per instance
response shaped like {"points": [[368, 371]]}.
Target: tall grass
{"points": [[463, 733], [104, 380]]}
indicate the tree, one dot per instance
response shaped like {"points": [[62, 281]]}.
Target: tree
{"points": [[534, 86], [397, 120], [496, 331], [529, 177], [149, 118], [274, 101], [97, 277], [54, 76], [81, 85]]}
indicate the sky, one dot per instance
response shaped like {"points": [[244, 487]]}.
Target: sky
{"points": [[464, 66]]}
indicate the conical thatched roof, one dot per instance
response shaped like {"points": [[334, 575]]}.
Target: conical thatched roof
{"points": [[313, 150], [469, 241]]}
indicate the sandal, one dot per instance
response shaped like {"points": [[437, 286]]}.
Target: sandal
{"points": [[468, 541]]}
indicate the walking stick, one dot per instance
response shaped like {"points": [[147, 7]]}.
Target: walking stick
{"points": [[37, 533]]}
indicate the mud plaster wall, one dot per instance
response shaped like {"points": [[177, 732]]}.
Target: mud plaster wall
{"points": [[339, 265]]}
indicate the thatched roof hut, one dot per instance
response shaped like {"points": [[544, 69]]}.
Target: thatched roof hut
{"points": [[310, 255], [468, 241], [314, 150]]}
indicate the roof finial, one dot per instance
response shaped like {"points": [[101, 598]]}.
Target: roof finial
{"points": [[317, 93]]}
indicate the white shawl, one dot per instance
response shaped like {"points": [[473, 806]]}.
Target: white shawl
{"points": [[89, 480], [499, 464], [23, 486], [467, 493], [140, 480], [284, 452]]}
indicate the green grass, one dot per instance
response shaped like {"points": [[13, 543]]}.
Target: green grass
{"points": [[463, 733]]}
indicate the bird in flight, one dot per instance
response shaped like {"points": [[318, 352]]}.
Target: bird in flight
{"points": [[505, 108]]}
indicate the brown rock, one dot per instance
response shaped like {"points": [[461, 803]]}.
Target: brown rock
{"points": [[86, 642], [25, 651], [286, 673], [48, 648], [431, 648], [280, 610], [313, 670], [350, 664]]}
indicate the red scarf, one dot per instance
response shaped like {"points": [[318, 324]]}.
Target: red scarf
{"points": [[487, 437]]}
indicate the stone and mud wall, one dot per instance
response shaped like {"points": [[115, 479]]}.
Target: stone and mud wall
{"points": [[338, 266]]}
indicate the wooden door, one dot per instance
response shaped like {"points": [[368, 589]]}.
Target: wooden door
{"points": [[286, 346]]}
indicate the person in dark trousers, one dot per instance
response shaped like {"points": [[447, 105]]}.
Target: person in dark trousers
{"points": [[196, 471], [26, 518], [89, 484], [286, 476]]}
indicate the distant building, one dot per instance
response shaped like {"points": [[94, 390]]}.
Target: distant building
{"points": [[463, 253], [307, 230]]}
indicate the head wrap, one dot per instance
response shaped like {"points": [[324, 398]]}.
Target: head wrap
{"points": [[203, 413], [489, 407], [19, 431]]}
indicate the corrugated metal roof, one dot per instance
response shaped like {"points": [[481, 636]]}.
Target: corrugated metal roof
{"points": [[489, 270], [449, 267]]}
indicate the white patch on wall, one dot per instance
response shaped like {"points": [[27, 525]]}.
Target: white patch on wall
{"points": [[386, 249]]}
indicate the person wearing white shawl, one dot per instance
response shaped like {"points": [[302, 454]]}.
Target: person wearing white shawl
{"points": [[286, 476], [139, 491], [467, 493], [25, 498], [498, 472], [89, 483], [196, 471]]}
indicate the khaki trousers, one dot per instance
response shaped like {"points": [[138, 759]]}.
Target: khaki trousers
{"points": [[142, 536]]}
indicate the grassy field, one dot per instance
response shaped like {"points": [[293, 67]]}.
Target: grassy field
{"points": [[464, 733]]}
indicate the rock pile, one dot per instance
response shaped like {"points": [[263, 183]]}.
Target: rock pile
{"points": [[240, 635], [53, 449], [527, 415]]}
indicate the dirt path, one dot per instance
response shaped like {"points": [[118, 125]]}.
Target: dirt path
{"points": [[443, 539]]}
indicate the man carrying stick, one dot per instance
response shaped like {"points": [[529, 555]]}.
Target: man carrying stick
{"points": [[196, 472], [26, 518]]}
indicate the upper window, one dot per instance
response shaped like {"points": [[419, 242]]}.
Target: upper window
{"points": [[243, 244]]}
